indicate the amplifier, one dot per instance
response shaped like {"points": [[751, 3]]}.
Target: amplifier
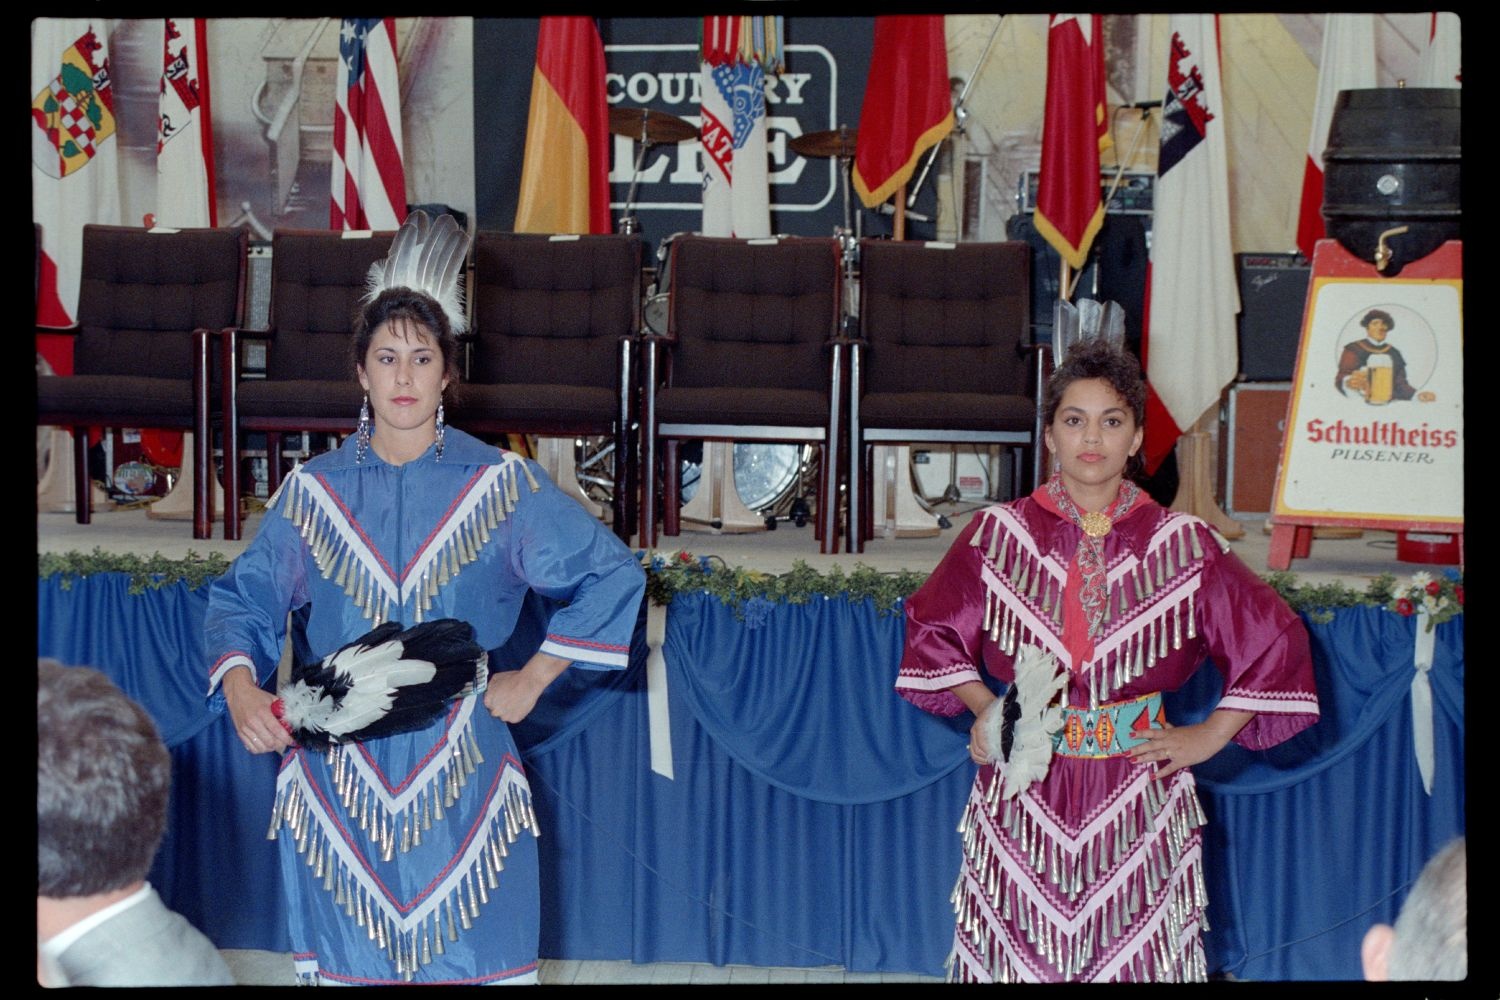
{"points": [[1273, 291], [1134, 196], [1250, 447]]}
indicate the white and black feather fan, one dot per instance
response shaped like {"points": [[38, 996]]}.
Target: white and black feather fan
{"points": [[426, 256], [386, 681], [1019, 727]]}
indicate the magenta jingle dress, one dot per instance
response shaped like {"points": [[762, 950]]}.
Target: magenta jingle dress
{"points": [[1095, 872]]}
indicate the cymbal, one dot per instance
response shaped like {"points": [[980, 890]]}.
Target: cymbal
{"points": [[655, 126], [835, 142]]}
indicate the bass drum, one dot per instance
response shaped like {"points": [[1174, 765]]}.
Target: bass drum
{"points": [[766, 475]]}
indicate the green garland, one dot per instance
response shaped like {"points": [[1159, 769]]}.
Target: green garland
{"points": [[146, 573], [668, 575], [682, 572]]}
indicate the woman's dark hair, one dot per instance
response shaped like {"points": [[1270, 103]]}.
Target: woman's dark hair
{"points": [[1098, 358], [1379, 314], [1117, 368], [396, 304]]}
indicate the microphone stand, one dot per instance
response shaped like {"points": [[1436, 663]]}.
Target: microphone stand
{"points": [[959, 114]]}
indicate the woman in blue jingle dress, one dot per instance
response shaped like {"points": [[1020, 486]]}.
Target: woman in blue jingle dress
{"points": [[412, 857]]}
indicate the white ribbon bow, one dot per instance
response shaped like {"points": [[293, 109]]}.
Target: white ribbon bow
{"points": [[660, 722], [1421, 698]]}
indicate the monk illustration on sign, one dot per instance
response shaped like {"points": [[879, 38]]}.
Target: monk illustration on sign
{"points": [[1373, 368]]}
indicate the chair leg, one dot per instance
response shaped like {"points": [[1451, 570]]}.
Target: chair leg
{"points": [[232, 469], [671, 488], [204, 478], [83, 486], [867, 486], [822, 495], [622, 489], [633, 477], [273, 462], [646, 539], [858, 468]]}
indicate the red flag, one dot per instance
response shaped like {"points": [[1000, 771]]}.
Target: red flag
{"points": [[368, 184], [908, 105], [184, 128], [1069, 209], [565, 175], [1441, 64], [1347, 63], [1188, 344]]}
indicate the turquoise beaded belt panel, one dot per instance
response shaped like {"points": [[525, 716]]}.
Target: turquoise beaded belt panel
{"points": [[1109, 730]]}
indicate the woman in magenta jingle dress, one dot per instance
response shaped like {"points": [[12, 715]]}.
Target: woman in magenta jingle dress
{"points": [[1094, 871]]}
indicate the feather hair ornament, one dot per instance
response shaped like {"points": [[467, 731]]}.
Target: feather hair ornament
{"points": [[426, 256], [387, 681], [1019, 727]]}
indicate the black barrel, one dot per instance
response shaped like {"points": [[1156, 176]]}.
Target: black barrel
{"points": [[1393, 160]]}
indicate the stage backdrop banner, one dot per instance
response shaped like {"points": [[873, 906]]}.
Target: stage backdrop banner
{"points": [[653, 63]]}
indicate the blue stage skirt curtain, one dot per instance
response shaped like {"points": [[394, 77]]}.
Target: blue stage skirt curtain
{"points": [[811, 820], [811, 816], [1311, 842], [215, 866]]}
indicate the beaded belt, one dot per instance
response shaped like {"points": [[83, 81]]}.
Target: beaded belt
{"points": [[1107, 731]]}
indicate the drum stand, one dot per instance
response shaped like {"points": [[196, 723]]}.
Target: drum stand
{"points": [[54, 487], [555, 456], [717, 506], [650, 129], [177, 505]]}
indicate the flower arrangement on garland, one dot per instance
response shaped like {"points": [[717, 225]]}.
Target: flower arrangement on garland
{"points": [[1441, 597], [145, 572]]}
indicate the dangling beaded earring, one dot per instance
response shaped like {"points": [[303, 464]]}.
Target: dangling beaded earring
{"points": [[440, 431], [362, 433]]}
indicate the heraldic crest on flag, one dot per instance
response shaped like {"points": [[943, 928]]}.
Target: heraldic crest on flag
{"points": [[1184, 118], [742, 88], [180, 99], [74, 114]]}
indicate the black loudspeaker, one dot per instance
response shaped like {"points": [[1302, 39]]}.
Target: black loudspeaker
{"points": [[1273, 291], [1116, 271]]}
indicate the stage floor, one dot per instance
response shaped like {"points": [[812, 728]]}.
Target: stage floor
{"points": [[1353, 561]]}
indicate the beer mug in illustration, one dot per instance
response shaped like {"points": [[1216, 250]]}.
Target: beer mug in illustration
{"points": [[1380, 379]]}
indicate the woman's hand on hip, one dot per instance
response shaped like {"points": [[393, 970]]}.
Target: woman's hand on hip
{"points": [[1176, 747]]}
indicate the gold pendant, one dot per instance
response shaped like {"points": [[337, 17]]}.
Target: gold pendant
{"points": [[1096, 524]]}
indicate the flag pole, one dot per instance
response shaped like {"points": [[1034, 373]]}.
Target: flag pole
{"points": [[900, 227]]}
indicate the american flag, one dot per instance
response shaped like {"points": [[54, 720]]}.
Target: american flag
{"points": [[368, 184]]}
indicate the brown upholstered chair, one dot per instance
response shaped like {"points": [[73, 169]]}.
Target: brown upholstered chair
{"points": [[317, 279], [150, 308], [752, 353], [552, 347], [941, 357]]}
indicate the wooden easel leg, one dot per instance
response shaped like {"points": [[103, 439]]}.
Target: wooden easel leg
{"points": [[1283, 538]]}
